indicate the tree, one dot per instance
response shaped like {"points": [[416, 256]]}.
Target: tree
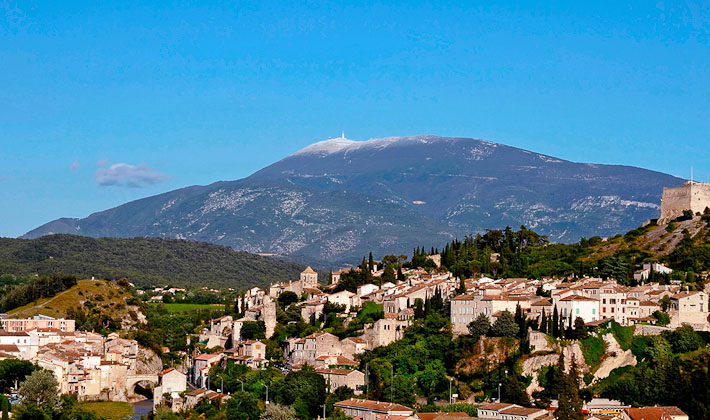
{"points": [[306, 387], [278, 412], [242, 406], [685, 339], [253, 330], [480, 325], [580, 329], [665, 303], [287, 298], [505, 326], [570, 403], [514, 391], [40, 388], [555, 323], [662, 318], [30, 412], [4, 406], [543, 322], [12, 370]]}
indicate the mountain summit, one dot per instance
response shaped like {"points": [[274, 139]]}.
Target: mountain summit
{"points": [[337, 199]]}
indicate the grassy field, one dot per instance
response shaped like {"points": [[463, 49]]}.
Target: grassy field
{"points": [[185, 307], [108, 294], [109, 410]]}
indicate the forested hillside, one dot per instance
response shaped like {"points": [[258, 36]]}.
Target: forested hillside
{"points": [[144, 261], [683, 245]]}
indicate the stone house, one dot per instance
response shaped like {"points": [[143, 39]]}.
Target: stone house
{"points": [[689, 308], [385, 331], [173, 383], [201, 366], [335, 378]]}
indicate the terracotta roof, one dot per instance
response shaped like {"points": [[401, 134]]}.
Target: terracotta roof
{"points": [[521, 411], [682, 295], [380, 406], [495, 406], [9, 348], [647, 413], [309, 270], [335, 371], [432, 416], [577, 297]]}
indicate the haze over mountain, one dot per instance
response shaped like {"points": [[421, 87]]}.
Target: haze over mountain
{"points": [[337, 199]]}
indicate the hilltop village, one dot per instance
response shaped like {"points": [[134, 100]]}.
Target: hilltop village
{"points": [[92, 366], [440, 335]]}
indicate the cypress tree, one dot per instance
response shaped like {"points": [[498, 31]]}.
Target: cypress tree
{"points": [[543, 322], [570, 403], [371, 263], [555, 323], [5, 406]]}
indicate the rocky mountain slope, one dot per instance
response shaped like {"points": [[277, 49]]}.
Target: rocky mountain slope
{"points": [[336, 200]]}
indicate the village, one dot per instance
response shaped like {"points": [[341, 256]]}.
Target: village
{"points": [[94, 367]]}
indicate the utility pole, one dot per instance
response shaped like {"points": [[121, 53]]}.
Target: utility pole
{"points": [[241, 383], [367, 380], [499, 384], [450, 381]]}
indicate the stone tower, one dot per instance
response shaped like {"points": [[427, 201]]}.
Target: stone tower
{"points": [[309, 278], [694, 196]]}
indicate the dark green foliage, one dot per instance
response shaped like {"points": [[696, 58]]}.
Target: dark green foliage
{"points": [[593, 349], [304, 389], [661, 317], [505, 326], [4, 407], [35, 288], [580, 330], [286, 298], [242, 406], [12, 370], [623, 335], [570, 402], [143, 261], [480, 325], [685, 339], [253, 330], [514, 390]]}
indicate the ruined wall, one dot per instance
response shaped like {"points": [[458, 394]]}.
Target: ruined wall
{"points": [[693, 196]]}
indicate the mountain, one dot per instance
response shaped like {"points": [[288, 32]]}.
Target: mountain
{"points": [[144, 261], [335, 200]]}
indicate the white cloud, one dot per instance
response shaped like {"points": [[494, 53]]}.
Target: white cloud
{"points": [[125, 175], [74, 166], [102, 162]]}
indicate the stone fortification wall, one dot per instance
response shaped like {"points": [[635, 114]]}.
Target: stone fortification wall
{"points": [[693, 196]]}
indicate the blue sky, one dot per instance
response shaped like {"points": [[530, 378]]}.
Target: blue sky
{"points": [[105, 102]]}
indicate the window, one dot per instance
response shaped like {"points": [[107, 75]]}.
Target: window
{"points": [[577, 311], [594, 311]]}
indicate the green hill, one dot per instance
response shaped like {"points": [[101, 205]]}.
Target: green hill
{"points": [[143, 261]]}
